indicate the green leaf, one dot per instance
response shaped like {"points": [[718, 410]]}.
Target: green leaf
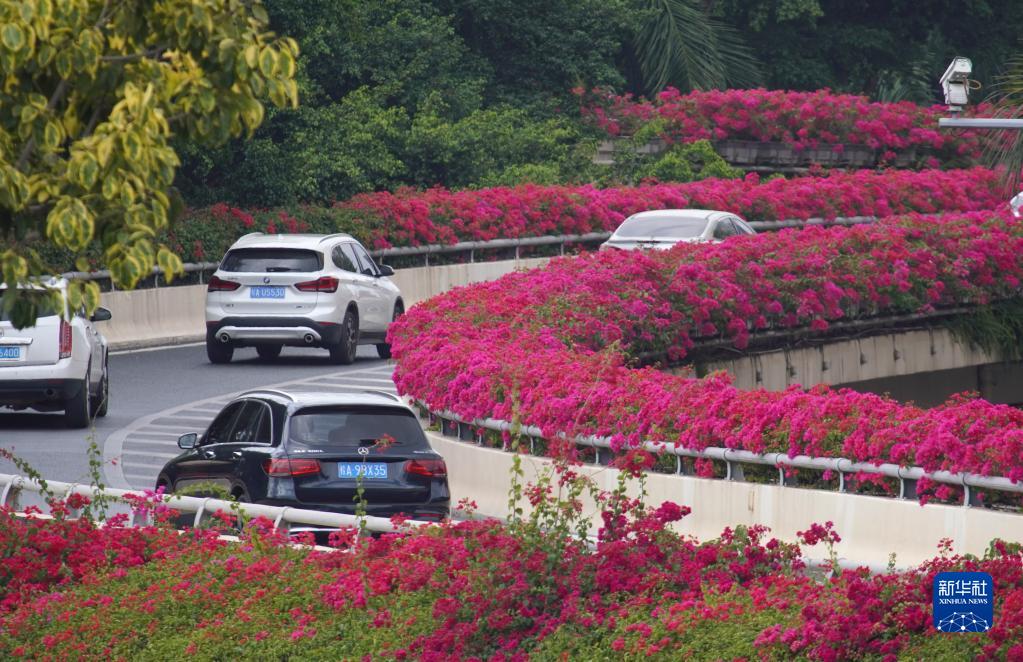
{"points": [[13, 37], [268, 62]]}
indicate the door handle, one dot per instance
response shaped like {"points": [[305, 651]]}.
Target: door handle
{"points": [[236, 455]]}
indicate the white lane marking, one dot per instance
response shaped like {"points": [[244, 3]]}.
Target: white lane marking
{"points": [[157, 349], [113, 447]]}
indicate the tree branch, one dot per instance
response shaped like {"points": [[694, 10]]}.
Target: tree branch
{"points": [[133, 57], [55, 98]]}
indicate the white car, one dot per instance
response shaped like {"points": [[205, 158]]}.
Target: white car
{"points": [[299, 290], [58, 364], [665, 228]]}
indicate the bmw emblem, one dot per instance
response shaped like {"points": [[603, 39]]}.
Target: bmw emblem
{"points": [[266, 280]]}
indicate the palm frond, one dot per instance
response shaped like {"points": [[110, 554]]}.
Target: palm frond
{"points": [[679, 44], [1005, 148]]}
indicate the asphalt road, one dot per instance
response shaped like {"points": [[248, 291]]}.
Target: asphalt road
{"points": [[145, 382]]}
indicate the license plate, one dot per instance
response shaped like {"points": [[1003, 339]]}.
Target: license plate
{"points": [[10, 353], [368, 470], [262, 292]]}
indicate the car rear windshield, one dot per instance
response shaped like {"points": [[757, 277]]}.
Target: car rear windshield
{"points": [[675, 227], [44, 309], [261, 260], [347, 428]]}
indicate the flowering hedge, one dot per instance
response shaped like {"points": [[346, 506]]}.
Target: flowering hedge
{"points": [[475, 590], [438, 216], [800, 119], [550, 347]]}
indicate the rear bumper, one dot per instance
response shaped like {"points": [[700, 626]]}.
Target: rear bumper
{"points": [[294, 331], [431, 510], [28, 392]]}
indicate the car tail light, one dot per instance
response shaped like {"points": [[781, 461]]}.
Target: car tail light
{"points": [[65, 339], [220, 285], [428, 468], [278, 467], [321, 284]]}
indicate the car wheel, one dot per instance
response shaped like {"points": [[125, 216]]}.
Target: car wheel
{"points": [[384, 349], [76, 410], [344, 351], [102, 401], [218, 352], [269, 352]]}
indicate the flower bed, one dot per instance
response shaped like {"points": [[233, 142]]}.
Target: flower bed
{"points": [[438, 216], [480, 590], [803, 120], [550, 347]]}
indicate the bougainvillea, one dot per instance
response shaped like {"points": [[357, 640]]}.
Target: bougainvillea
{"points": [[439, 216], [478, 590], [804, 120], [551, 347]]}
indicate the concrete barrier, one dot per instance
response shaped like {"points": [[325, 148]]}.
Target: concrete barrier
{"points": [[169, 315], [925, 366], [872, 528]]}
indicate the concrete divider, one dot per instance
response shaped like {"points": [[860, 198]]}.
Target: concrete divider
{"points": [[167, 315], [871, 528]]}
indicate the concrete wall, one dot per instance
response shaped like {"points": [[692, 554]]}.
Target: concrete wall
{"points": [[166, 315], [923, 365], [871, 527]]}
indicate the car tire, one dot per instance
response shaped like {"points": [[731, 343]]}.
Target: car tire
{"points": [[102, 401], [76, 410], [218, 352], [384, 349], [343, 353], [269, 352]]}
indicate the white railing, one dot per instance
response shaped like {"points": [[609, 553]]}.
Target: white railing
{"points": [[455, 426], [283, 517], [472, 247]]}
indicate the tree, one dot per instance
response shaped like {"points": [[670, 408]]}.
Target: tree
{"points": [[92, 93], [1005, 148], [680, 44]]}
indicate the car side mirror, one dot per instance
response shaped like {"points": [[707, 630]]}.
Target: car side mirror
{"points": [[188, 441], [100, 315], [385, 270]]}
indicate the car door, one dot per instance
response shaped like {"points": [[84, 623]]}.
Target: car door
{"points": [[237, 462], [723, 229], [364, 284], [199, 464], [95, 349], [380, 310]]}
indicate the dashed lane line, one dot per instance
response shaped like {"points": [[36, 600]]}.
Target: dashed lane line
{"points": [[130, 472]]}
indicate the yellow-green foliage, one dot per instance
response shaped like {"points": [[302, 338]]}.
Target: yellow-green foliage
{"points": [[91, 93]]}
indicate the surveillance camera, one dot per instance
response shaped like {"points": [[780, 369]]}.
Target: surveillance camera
{"points": [[956, 83]]}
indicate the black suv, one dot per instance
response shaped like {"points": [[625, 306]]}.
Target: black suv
{"points": [[309, 450]]}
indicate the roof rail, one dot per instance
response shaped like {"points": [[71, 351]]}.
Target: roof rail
{"points": [[386, 394], [336, 235], [271, 391]]}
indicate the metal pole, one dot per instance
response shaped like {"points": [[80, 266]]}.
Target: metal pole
{"points": [[979, 123]]}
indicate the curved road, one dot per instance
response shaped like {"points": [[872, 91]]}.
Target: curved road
{"points": [[156, 395]]}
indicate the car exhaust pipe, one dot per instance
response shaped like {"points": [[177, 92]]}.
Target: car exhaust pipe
{"points": [[309, 339], [225, 338]]}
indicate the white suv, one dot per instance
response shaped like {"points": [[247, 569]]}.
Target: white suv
{"points": [[58, 364], [300, 290]]}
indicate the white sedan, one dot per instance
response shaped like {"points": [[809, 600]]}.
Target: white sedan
{"points": [[665, 228], [60, 364]]}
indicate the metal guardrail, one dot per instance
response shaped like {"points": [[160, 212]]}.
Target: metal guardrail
{"points": [[735, 459], [471, 247], [282, 517]]}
